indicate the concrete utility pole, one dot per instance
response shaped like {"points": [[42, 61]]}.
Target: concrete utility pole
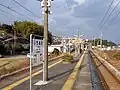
{"points": [[14, 42], [45, 4], [45, 78]]}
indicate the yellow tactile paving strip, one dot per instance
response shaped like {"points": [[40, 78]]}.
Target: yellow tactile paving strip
{"points": [[71, 79], [9, 87]]}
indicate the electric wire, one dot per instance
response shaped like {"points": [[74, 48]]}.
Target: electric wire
{"points": [[15, 11], [5, 15], [5, 12], [25, 8], [107, 12], [110, 14], [115, 17], [112, 20]]}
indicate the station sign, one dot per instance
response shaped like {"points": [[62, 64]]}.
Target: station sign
{"points": [[36, 45]]}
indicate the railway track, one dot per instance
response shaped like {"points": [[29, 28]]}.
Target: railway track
{"points": [[108, 80], [7, 80]]}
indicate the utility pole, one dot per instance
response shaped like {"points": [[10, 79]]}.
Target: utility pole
{"points": [[45, 78], [45, 4], [14, 42]]}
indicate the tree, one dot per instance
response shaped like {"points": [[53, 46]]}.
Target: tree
{"points": [[7, 28], [2, 49], [104, 42], [25, 28], [18, 48], [56, 51], [110, 43]]}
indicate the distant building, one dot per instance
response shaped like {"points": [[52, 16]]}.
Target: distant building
{"points": [[56, 40], [119, 45]]}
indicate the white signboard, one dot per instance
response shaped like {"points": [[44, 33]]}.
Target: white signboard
{"points": [[37, 51]]}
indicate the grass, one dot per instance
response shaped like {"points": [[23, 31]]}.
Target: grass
{"points": [[116, 55], [7, 61], [67, 58], [10, 65]]}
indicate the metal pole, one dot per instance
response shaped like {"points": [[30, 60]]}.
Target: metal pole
{"points": [[101, 40], [94, 42], [45, 42], [101, 44], [69, 45], [31, 62], [76, 46]]}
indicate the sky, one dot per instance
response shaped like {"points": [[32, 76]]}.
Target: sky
{"points": [[69, 16]]}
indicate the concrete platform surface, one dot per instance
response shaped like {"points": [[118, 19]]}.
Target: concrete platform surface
{"points": [[83, 80]]}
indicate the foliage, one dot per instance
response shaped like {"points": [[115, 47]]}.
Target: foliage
{"points": [[2, 49], [104, 42], [18, 48], [7, 28], [25, 28], [8, 48], [67, 58], [22, 29], [116, 55], [55, 51], [110, 43]]}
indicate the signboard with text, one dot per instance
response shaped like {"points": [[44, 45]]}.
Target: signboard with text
{"points": [[36, 49], [36, 53]]}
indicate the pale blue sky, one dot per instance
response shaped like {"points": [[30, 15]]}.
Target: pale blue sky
{"points": [[68, 16]]}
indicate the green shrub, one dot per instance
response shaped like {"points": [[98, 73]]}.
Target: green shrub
{"points": [[18, 48], [56, 51], [67, 58]]}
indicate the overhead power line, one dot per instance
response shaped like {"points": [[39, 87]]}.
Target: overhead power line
{"points": [[26, 8], [5, 12], [106, 12], [15, 11], [110, 14], [5, 15], [113, 19]]}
